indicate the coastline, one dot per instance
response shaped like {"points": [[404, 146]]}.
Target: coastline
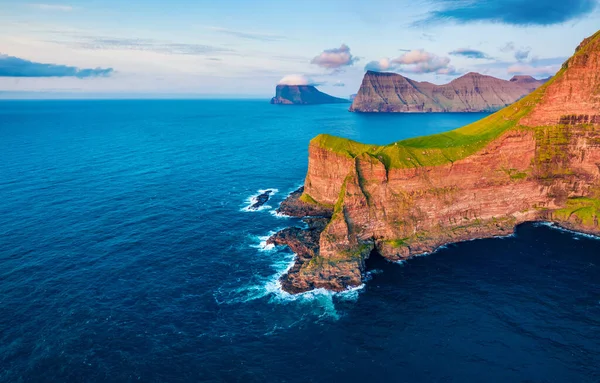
{"points": [[303, 242]]}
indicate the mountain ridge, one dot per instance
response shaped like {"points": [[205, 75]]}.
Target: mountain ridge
{"points": [[473, 92]]}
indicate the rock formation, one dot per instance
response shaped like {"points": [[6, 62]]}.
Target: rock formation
{"points": [[473, 92], [536, 160], [303, 95], [260, 200]]}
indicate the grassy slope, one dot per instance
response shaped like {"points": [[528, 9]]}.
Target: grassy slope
{"points": [[440, 148], [450, 146]]}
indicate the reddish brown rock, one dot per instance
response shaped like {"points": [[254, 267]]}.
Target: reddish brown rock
{"points": [[410, 197], [294, 207], [473, 92], [574, 98]]}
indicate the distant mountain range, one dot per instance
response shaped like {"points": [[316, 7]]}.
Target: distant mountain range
{"points": [[473, 92], [303, 95]]}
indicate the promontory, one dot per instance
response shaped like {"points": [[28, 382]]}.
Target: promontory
{"points": [[303, 95], [535, 160]]}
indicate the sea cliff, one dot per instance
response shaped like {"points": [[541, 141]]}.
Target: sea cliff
{"points": [[303, 95], [536, 160], [473, 92]]}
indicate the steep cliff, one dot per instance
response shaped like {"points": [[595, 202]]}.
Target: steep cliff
{"points": [[303, 95], [538, 159], [473, 92]]}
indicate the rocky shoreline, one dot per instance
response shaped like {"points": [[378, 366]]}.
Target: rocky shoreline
{"points": [[304, 242]]}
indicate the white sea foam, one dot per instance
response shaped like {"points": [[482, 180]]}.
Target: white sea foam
{"points": [[559, 228], [274, 213], [281, 215], [254, 198], [262, 244], [320, 301]]}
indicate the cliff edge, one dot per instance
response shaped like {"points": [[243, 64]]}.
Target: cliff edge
{"points": [[473, 92], [536, 160], [303, 95]]}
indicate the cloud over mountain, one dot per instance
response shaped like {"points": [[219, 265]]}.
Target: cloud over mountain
{"points": [[378, 65], [335, 58], [415, 61], [515, 12], [296, 79], [16, 67]]}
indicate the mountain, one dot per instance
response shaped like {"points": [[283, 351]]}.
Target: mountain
{"points": [[536, 160], [303, 95], [473, 92]]}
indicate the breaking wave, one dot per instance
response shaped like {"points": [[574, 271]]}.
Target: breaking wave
{"points": [[559, 228], [254, 199]]}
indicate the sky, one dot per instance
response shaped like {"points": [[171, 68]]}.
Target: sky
{"points": [[244, 48]]}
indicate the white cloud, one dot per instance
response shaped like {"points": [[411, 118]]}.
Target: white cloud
{"points": [[248, 35], [535, 71], [415, 61], [295, 79], [53, 7], [335, 58], [378, 65]]}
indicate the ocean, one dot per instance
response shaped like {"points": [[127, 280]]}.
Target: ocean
{"points": [[127, 254]]}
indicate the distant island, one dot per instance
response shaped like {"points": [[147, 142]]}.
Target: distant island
{"points": [[535, 160], [473, 92], [303, 95]]}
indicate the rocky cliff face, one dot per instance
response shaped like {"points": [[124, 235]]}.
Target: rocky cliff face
{"points": [[530, 161], [303, 95], [473, 92]]}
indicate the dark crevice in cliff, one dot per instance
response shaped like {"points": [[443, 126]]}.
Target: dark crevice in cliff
{"points": [[361, 181], [375, 261]]}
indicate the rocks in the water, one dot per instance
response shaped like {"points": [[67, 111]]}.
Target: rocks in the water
{"points": [[261, 199], [305, 244], [295, 207]]}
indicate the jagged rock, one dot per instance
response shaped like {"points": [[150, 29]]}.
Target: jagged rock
{"points": [[294, 207], [261, 199]]}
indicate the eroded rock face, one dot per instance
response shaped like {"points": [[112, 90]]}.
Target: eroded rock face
{"points": [[303, 95], [411, 197], [574, 97], [473, 92]]}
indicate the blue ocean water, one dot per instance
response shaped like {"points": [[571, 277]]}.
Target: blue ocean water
{"points": [[126, 255]]}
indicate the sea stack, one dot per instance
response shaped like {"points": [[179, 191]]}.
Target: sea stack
{"points": [[303, 95], [535, 160], [473, 92]]}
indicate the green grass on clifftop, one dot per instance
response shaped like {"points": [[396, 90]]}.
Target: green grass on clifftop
{"points": [[581, 209], [457, 144], [439, 148]]}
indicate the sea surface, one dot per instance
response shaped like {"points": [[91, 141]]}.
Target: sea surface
{"points": [[127, 254]]}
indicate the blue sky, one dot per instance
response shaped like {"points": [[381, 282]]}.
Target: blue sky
{"points": [[244, 48]]}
